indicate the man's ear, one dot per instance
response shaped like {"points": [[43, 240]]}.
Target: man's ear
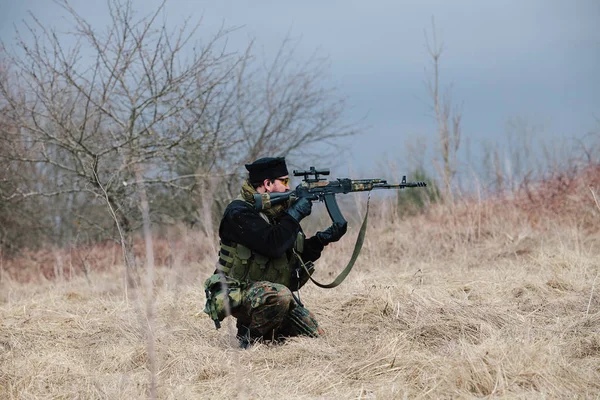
{"points": [[267, 184]]}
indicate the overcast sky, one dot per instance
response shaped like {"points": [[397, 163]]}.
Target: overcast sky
{"points": [[537, 60]]}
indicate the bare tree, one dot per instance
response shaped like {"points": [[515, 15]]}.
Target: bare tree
{"points": [[137, 105], [448, 118], [282, 107], [115, 106]]}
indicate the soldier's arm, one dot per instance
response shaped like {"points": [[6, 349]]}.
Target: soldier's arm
{"points": [[312, 249]]}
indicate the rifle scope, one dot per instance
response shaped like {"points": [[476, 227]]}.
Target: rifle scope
{"points": [[311, 172]]}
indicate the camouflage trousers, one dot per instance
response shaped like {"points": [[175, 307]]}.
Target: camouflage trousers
{"points": [[269, 311]]}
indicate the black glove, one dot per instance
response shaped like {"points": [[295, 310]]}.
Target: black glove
{"points": [[300, 209], [333, 233]]}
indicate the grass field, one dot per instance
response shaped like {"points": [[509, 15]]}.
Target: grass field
{"points": [[482, 298]]}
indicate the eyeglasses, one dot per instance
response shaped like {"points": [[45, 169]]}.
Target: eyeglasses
{"points": [[285, 181]]}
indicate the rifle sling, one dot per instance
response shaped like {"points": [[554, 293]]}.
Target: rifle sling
{"points": [[357, 248]]}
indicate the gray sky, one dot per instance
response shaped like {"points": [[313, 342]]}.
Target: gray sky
{"points": [[530, 59]]}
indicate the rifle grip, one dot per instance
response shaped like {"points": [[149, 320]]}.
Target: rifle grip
{"points": [[333, 209]]}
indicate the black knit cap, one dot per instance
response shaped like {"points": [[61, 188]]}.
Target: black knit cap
{"points": [[267, 168]]}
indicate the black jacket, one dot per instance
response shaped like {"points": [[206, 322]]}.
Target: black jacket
{"points": [[242, 224]]}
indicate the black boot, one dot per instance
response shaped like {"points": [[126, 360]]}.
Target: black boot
{"points": [[243, 335], [247, 336]]}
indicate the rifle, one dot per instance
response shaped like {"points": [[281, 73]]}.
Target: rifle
{"points": [[315, 188], [318, 189]]}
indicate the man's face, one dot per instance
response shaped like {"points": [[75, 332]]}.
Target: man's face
{"points": [[279, 185]]}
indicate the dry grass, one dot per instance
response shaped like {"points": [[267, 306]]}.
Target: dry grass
{"points": [[481, 299]]}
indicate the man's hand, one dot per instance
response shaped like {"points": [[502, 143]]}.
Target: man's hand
{"points": [[300, 209], [333, 233]]}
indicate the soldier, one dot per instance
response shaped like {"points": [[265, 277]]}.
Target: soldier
{"points": [[260, 257]]}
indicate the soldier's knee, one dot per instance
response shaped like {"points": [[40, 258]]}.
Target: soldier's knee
{"points": [[271, 294], [282, 296]]}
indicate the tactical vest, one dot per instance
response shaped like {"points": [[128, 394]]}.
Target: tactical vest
{"points": [[239, 262]]}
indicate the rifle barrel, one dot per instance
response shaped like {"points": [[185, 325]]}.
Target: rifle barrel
{"points": [[400, 185]]}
